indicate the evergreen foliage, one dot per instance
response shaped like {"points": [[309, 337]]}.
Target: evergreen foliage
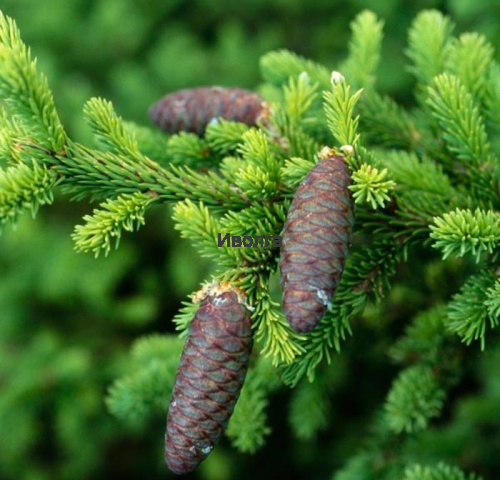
{"points": [[423, 177], [441, 471]]}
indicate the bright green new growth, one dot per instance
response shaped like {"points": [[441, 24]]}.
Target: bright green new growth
{"points": [[104, 227], [423, 177], [25, 92], [364, 50], [370, 186], [428, 44], [24, 188], [463, 231]]}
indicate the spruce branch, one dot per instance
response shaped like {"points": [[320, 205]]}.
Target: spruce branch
{"points": [[464, 134], [11, 133], [294, 170], [109, 129], [190, 150], [100, 175], [145, 392], [299, 138], [339, 108], [415, 212], [209, 187], [371, 186], [248, 426], [365, 274], [469, 311], [364, 50], [458, 115], [279, 342], [260, 178], [441, 471], [414, 399], [492, 94], [224, 136], [24, 188], [422, 191], [299, 95], [357, 467], [105, 226], [423, 338], [470, 58], [152, 143], [309, 409], [183, 318], [493, 302], [24, 91], [428, 41], [257, 220], [197, 224], [302, 144], [417, 174], [256, 150], [462, 231], [278, 66], [384, 122]]}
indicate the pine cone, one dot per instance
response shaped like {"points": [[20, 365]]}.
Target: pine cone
{"points": [[316, 240], [209, 378], [192, 109]]}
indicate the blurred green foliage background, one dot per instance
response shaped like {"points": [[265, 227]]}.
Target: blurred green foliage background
{"points": [[67, 320]]}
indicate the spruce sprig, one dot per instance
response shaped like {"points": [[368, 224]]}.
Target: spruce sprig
{"points": [[248, 426], [24, 188], [224, 136], [469, 58], [428, 45], [463, 231], [458, 115], [299, 96], [278, 66], [25, 91], [371, 186], [470, 311], [104, 227], [188, 149], [339, 106], [278, 340], [146, 387], [364, 50], [440, 471], [109, 129], [415, 398], [196, 223]]}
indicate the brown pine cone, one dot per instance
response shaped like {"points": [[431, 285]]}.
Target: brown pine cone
{"points": [[192, 109], [316, 240], [209, 378]]}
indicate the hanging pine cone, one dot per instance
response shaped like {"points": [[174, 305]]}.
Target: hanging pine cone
{"points": [[209, 378], [192, 109], [315, 241]]}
